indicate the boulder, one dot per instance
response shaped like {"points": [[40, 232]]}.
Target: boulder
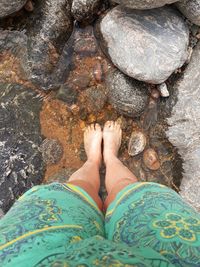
{"points": [[10, 6], [184, 130], [148, 45], [127, 95], [144, 4], [190, 9], [20, 159]]}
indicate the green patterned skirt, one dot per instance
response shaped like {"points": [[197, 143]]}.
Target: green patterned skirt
{"points": [[59, 225]]}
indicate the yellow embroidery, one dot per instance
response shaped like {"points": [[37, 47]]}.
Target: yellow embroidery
{"points": [[39, 231]]}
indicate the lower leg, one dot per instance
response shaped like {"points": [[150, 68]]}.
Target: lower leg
{"points": [[87, 177], [118, 176]]}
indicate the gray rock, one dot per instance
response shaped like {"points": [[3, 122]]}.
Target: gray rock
{"points": [[190, 9], [184, 130], [147, 45], [137, 143], [46, 40], [52, 151], [127, 95], [20, 159], [8, 7], [84, 10], [144, 4]]}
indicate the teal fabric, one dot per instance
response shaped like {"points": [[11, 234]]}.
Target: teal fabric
{"points": [[60, 225]]}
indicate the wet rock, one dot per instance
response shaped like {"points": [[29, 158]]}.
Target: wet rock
{"points": [[96, 97], [20, 159], [84, 10], [8, 7], [52, 151], [144, 4], [98, 72], [47, 38], [82, 80], [163, 90], [15, 43], [151, 160], [190, 9], [150, 116], [127, 95], [148, 45], [67, 94], [185, 128], [137, 143]]}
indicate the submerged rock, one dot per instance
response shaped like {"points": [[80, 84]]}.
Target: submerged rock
{"points": [[148, 45], [144, 4], [127, 95], [151, 160], [47, 39], [84, 10], [52, 151], [137, 143], [8, 7], [20, 158], [190, 9], [184, 130]]}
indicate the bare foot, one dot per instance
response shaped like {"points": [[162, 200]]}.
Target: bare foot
{"points": [[112, 136], [92, 142]]}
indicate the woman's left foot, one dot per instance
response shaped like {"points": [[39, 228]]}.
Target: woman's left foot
{"points": [[92, 141]]}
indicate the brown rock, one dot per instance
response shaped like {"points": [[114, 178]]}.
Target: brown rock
{"points": [[151, 160]]}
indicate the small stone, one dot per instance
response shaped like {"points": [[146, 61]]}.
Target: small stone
{"points": [[127, 95], [67, 94], [62, 176], [82, 80], [147, 45], [155, 94], [163, 90], [52, 151], [95, 98], [122, 122], [190, 9], [98, 72], [137, 143], [151, 160], [144, 4], [29, 6]]}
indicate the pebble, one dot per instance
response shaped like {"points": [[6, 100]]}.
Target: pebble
{"points": [[148, 45], [127, 95], [29, 6], [163, 90], [52, 151], [137, 143], [151, 160], [98, 72], [95, 98], [144, 4], [190, 9]]}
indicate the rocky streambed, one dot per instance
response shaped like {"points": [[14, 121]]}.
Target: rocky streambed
{"points": [[65, 64]]}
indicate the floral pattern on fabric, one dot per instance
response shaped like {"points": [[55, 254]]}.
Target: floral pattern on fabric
{"points": [[151, 215]]}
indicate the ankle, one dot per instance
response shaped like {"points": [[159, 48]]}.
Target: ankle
{"points": [[94, 162], [109, 159]]}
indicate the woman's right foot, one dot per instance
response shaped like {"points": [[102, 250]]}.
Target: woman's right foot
{"points": [[112, 136]]}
